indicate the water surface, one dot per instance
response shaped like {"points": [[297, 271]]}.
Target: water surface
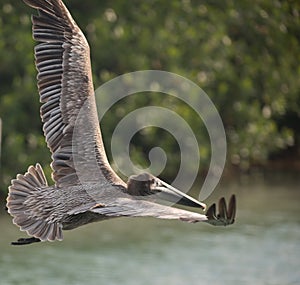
{"points": [[263, 247]]}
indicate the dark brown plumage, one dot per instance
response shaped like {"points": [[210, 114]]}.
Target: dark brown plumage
{"points": [[86, 188]]}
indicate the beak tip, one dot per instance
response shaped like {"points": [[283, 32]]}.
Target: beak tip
{"points": [[191, 202], [172, 194], [203, 206]]}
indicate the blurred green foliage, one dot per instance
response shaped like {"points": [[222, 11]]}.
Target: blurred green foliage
{"points": [[244, 54]]}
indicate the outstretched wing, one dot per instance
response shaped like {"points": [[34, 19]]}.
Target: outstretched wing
{"points": [[143, 208], [225, 216], [69, 115]]}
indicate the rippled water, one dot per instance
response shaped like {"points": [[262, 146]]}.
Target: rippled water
{"points": [[263, 247]]}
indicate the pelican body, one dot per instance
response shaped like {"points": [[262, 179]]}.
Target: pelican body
{"points": [[65, 84]]}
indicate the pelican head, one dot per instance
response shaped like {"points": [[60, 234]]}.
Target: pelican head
{"points": [[146, 184]]}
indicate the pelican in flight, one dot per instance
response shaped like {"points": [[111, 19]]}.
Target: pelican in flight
{"points": [[62, 60]]}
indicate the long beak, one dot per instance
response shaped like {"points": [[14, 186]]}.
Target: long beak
{"points": [[171, 194]]}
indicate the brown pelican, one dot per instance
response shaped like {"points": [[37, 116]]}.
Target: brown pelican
{"points": [[65, 84]]}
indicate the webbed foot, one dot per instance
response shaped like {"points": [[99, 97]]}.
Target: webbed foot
{"points": [[23, 241]]}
